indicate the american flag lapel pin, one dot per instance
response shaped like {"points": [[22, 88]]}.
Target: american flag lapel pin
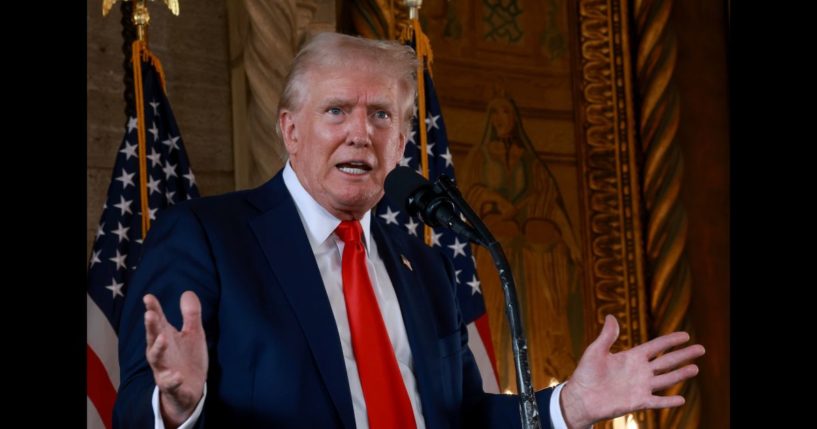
{"points": [[406, 262]]}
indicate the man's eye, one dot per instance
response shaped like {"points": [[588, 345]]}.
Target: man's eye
{"points": [[334, 110], [381, 114]]}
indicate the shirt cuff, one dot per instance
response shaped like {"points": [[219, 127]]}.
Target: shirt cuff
{"points": [[556, 417], [158, 423]]}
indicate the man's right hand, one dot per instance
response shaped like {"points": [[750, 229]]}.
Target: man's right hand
{"points": [[607, 385], [178, 358]]}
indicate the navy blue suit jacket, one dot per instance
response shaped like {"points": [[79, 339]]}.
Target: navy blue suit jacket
{"points": [[275, 357]]}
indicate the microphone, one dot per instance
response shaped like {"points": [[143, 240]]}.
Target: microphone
{"points": [[429, 202], [434, 203]]}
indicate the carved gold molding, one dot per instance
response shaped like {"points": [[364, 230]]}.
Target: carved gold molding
{"points": [[606, 127], [670, 281], [629, 155]]}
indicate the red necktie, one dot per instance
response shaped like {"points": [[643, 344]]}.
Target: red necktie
{"points": [[387, 401]]}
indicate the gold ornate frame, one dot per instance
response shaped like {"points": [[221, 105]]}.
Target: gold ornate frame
{"points": [[606, 139], [631, 172]]}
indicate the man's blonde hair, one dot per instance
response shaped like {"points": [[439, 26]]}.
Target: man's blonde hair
{"points": [[334, 50]]}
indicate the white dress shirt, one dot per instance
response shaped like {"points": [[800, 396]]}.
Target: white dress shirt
{"points": [[320, 226]]}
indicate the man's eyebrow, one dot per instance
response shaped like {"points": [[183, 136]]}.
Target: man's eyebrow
{"points": [[382, 104], [336, 101]]}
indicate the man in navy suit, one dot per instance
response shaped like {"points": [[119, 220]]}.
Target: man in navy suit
{"points": [[262, 337]]}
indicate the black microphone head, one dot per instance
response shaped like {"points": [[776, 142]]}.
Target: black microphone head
{"points": [[401, 184]]}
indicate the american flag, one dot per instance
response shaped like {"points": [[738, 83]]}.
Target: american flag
{"points": [[118, 242], [469, 293]]}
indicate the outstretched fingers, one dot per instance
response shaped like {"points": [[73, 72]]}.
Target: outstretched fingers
{"points": [[661, 344], [155, 321], [178, 359], [191, 312], [156, 351], [663, 381], [657, 402], [677, 357]]}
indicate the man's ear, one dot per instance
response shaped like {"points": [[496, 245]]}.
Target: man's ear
{"points": [[401, 149], [286, 121]]}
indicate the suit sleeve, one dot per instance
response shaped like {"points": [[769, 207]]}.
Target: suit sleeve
{"points": [[176, 258], [488, 410]]}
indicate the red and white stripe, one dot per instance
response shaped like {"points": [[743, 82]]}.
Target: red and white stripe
{"points": [[102, 362], [479, 340]]}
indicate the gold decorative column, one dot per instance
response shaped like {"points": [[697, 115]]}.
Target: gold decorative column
{"points": [[264, 38], [374, 19], [668, 271]]}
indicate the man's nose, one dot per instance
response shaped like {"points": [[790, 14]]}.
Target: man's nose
{"points": [[359, 128]]}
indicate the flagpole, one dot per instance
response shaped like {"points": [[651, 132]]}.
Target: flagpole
{"points": [[129, 205], [139, 51], [141, 18], [414, 30], [528, 409], [414, 8]]}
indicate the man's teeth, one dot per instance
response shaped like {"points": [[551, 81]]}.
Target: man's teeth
{"points": [[354, 167], [351, 170]]}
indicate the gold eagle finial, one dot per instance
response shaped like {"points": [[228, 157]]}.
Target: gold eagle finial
{"points": [[173, 5]]}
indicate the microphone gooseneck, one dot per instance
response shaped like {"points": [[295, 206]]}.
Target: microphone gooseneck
{"points": [[435, 204]]}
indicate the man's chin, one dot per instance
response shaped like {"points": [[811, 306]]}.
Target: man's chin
{"points": [[358, 204]]}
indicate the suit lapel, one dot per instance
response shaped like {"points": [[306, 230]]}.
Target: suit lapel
{"points": [[282, 237], [416, 311]]}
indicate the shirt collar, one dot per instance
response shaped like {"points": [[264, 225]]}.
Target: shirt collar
{"points": [[318, 222]]}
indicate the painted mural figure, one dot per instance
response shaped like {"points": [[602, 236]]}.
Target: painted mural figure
{"points": [[516, 195]]}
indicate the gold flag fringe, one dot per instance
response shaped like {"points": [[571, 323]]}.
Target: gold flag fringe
{"points": [[140, 52], [422, 47]]}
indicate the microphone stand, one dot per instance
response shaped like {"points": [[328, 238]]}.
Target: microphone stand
{"points": [[529, 412]]}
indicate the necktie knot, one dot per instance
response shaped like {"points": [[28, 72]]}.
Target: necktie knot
{"points": [[349, 231]]}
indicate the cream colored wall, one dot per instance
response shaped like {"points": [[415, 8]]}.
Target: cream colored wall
{"points": [[264, 37]]}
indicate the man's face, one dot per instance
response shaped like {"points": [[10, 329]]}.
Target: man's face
{"points": [[346, 137]]}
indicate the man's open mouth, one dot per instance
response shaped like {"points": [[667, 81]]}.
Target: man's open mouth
{"points": [[354, 167]]}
